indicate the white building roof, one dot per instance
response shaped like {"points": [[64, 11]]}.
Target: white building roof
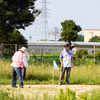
{"points": [[61, 43]]}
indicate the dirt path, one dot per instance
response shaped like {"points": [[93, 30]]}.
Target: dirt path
{"points": [[51, 90]]}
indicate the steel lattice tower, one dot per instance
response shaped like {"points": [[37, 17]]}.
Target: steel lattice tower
{"points": [[44, 21]]}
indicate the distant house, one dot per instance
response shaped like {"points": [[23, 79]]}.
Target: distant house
{"points": [[56, 47], [89, 33]]}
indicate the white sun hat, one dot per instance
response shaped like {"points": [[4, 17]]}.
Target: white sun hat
{"points": [[23, 49]]}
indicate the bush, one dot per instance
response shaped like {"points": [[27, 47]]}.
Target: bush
{"points": [[69, 95], [4, 95], [91, 95], [97, 54], [81, 52]]}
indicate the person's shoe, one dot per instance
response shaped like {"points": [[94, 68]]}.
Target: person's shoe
{"points": [[59, 83], [14, 86], [21, 86], [67, 83]]}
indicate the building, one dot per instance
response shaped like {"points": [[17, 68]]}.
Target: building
{"points": [[89, 33], [89, 46], [46, 47], [56, 47]]}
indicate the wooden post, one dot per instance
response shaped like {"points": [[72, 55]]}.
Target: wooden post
{"points": [[2, 49], [94, 54], [15, 47]]}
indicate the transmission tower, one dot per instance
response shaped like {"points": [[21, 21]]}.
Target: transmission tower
{"points": [[44, 21]]}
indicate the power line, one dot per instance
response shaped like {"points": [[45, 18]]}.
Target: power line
{"points": [[74, 5], [71, 12]]}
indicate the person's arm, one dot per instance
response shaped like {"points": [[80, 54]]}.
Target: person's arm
{"points": [[27, 55], [72, 61], [61, 61], [13, 56], [60, 58]]}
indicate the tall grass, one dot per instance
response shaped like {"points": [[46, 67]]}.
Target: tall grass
{"points": [[90, 95], [5, 95], [42, 74]]}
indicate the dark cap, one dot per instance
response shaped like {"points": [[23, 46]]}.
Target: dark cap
{"points": [[20, 46], [66, 45]]}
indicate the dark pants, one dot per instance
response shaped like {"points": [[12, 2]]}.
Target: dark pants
{"points": [[23, 73], [15, 72], [63, 69]]}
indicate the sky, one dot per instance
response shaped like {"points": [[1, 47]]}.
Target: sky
{"points": [[85, 13]]}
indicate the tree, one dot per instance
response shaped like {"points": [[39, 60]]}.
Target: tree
{"points": [[16, 14], [55, 32], [69, 31], [13, 38], [95, 39], [60, 39], [43, 40], [80, 38]]}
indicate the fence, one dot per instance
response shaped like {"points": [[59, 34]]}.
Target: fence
{"points": [[49, 48], [49, 60]]}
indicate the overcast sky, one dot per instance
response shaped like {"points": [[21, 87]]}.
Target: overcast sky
{"points": [[85, 13]]}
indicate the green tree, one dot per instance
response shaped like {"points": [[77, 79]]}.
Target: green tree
{"points": [[15, 14], [69, 31], [80, 38], [60, 39], [43, 40], [13, 38], [95, 39]]}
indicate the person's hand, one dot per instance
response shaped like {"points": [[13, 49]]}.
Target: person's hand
{"points": [[72, 65], [62, 64]]}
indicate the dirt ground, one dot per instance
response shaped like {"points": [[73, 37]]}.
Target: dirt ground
{"points": [[50, 89]]}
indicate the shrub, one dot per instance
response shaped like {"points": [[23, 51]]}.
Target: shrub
{"points": [[91, 95], [97, 54], [69, 95], [81, 52]]}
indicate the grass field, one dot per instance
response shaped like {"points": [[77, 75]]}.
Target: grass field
{"points": [[42, 74]]}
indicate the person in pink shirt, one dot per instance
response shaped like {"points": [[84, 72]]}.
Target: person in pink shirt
{"points": [[17, 63]]}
